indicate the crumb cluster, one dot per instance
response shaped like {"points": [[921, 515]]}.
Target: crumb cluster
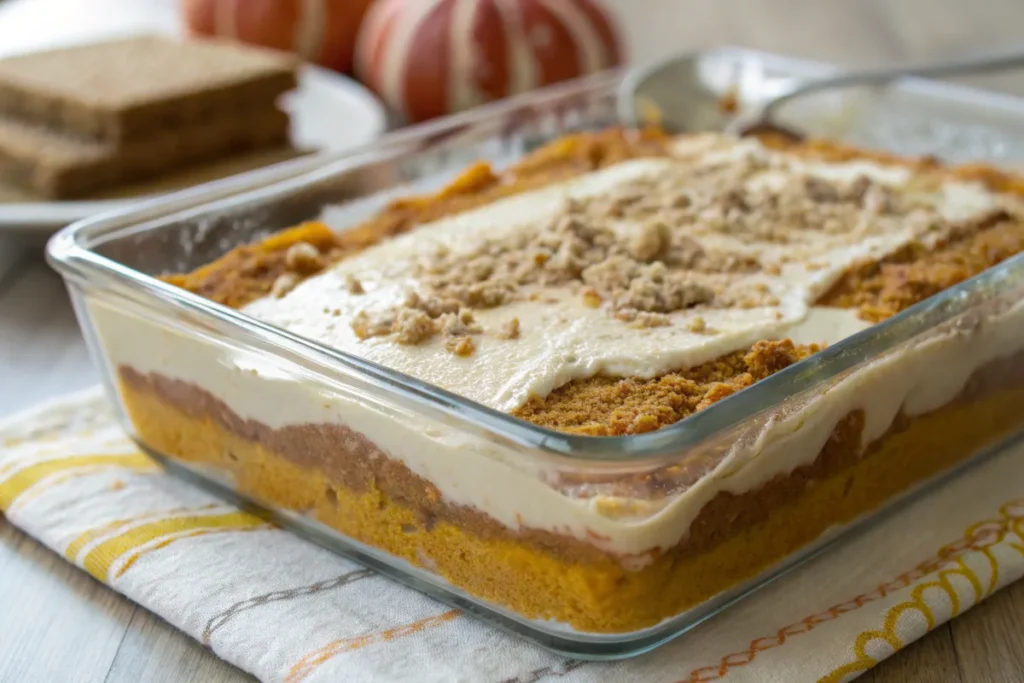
{"points": [[419, 320], [642, 252], [301, 260]]}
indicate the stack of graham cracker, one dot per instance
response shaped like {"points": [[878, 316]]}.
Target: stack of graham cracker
{"points": [[82, 119]]}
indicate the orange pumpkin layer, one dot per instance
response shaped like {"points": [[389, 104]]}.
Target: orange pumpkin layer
{"points": [[539, 574]]}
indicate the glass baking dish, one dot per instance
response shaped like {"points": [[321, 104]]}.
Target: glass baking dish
{"points": [[596, 547]]}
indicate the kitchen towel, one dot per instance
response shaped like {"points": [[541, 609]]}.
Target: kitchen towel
{"points": [[289, 611]]}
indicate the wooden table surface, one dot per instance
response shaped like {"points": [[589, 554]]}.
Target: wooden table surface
{"points": [[58, 624]]}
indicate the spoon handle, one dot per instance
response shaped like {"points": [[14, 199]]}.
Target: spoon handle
{"points": [[969, 65]]}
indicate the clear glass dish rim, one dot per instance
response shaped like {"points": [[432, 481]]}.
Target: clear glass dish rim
{"points": [[70, 254]]}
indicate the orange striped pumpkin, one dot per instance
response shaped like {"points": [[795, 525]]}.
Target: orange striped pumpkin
{"points": [[320, 31], [427, 58]]}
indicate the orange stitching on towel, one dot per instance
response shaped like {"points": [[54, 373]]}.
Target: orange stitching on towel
{"points": [[24, 479], [312, 661], [978, 537]]}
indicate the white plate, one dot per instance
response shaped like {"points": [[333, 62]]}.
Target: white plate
{"points": [[328, 111]]}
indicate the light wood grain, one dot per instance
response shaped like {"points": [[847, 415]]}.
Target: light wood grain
{"points": [[930, 660], [60, 625], [181, 658], [984, 653]]}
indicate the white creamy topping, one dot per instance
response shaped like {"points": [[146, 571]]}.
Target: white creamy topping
{"points": [[561, 338]]}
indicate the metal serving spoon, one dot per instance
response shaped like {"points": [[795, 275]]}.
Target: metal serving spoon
{"points": [[679, 93], [761, 118]]}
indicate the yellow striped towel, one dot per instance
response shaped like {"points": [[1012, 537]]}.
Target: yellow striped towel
{"points": [[286, 610]]}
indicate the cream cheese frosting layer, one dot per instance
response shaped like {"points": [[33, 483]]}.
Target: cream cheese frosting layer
{"points": [[562, 336]]}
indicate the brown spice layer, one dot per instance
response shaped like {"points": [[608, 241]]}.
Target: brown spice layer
{"points": [[541, 574]]}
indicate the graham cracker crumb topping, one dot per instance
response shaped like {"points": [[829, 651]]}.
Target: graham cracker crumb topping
{"points": [[509, 330], [686, 237], [284, 283], [353, 285], [696, 240], [303, 258], [697, 324], [460, 346], [412, 326]]}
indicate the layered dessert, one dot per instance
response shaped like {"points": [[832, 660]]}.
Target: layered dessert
{"points": [[608, 286]]}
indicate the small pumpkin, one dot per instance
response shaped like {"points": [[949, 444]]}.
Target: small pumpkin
{"points": [[427, 58], [320, 31]]}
